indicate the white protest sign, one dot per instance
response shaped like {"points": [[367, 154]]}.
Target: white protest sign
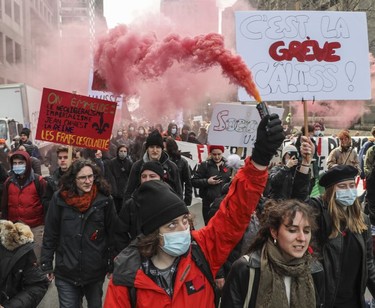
{"points": [[305, 54], [235, 124]]}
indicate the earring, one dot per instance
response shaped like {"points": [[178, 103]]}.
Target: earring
{"points": [[274, 241]]}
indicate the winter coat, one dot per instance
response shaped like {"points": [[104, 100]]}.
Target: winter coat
{"points": [[237, 283], [339, 157], [205, 170], [286, 183], [185, 177], [82, 241], [332, 251], [24, 203], [216, 240], [22, 283], [171, 175], [117, 174]]}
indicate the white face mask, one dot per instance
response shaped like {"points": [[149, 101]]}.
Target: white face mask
{"points": [[176, 243], [173, 131], [346, 197]]}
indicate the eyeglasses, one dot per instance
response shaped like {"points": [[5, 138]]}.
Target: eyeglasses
{"points": [[84, 178]]}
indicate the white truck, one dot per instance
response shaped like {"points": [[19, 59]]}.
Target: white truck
{"points": [[20, 105]]}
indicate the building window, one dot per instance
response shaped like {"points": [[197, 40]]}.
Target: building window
{"points": [[1, 48], [17, 13], [9, 50], [18, 53], [8, 8]]}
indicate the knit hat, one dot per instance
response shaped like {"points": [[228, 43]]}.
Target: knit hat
{"points": [[154, 166], [25, 131], [154, 139], [215, 147], [158, 204], [338, 174], [289, 149]]}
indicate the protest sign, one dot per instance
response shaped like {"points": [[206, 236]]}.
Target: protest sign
{"points": [[75, 120], [305, 54], [235, 124]]}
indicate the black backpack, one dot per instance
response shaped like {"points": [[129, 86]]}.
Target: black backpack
{"points": [[200, 260]]}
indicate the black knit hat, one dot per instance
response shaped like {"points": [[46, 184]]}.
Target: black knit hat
{"points": [[154, 138], [158, 204], [25, 131], [338, 174], [154, 166]]}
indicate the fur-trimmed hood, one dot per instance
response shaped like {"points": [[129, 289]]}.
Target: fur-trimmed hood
{"points": [[14, 235]]}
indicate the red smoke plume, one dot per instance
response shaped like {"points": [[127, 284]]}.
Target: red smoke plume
{"points": [[124, 58]]}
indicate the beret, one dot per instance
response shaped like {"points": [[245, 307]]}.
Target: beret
{"points": [[338, 174]]}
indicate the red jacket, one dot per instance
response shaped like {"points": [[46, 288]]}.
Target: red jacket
{"points": [[217, 239]]}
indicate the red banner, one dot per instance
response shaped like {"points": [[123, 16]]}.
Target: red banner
{"points": [[76, 120]]}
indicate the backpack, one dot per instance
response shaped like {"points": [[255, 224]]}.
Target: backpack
{"points": [[362, 155], [200, 260]]}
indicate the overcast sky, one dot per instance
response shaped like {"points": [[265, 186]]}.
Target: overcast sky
{"points": [[125, 11]]}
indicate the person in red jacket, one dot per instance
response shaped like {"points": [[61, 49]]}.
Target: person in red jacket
{"points": [[159, 266], [22, 197]]}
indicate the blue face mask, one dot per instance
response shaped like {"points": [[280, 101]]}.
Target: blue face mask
{"points": [[346, 197], [176, 243], [19, 169]]}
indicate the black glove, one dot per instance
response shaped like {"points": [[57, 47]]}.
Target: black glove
{"points": [[270, 136]]}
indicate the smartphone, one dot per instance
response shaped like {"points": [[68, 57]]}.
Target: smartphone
{"points": [[218, 177]]}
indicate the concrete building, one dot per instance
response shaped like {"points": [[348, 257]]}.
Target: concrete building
{"points": [[25, 27]]}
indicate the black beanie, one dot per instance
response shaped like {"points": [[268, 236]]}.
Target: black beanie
{"points": [[154, 166], [154, 139], [25, 131], [158, 204]]}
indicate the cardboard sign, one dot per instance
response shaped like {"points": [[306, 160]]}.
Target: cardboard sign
{"points": [[75, 120], [305, 54], [235, 124]]}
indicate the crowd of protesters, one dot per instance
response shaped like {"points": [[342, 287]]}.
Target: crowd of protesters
{"points": [[125, 214]]}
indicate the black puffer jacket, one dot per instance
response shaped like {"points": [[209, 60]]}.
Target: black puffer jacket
{"points": [[22, 283], [185, 176], [82, 241], [200, 179], [117, 173], [332, 251], [237, 283]]}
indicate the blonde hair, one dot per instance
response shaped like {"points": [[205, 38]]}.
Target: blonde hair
{"points": [[352, 218]]}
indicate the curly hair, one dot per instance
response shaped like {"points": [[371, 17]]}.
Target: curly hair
{"points": [[68, 180], [148, 245], [275, 213]]}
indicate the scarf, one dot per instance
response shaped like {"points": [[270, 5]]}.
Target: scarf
{"points": [[81, 203], [273, 268]]}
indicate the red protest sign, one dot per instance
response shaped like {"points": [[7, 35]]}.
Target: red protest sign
{"points": [[75, 120]]}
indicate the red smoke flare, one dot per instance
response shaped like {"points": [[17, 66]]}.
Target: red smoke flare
{"points": [[124, 58]]}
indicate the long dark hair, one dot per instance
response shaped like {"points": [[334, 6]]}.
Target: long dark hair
{"points": [[275, 213], [68, 180], [148, 245]]}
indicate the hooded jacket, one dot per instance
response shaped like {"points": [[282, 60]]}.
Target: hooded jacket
{"points": [[22, 283], [172, 177], [22, 202], [81, 242], [117, 174], [216, 240]]}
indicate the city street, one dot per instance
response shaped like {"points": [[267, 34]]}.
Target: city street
{"points": [[51, 300]]}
